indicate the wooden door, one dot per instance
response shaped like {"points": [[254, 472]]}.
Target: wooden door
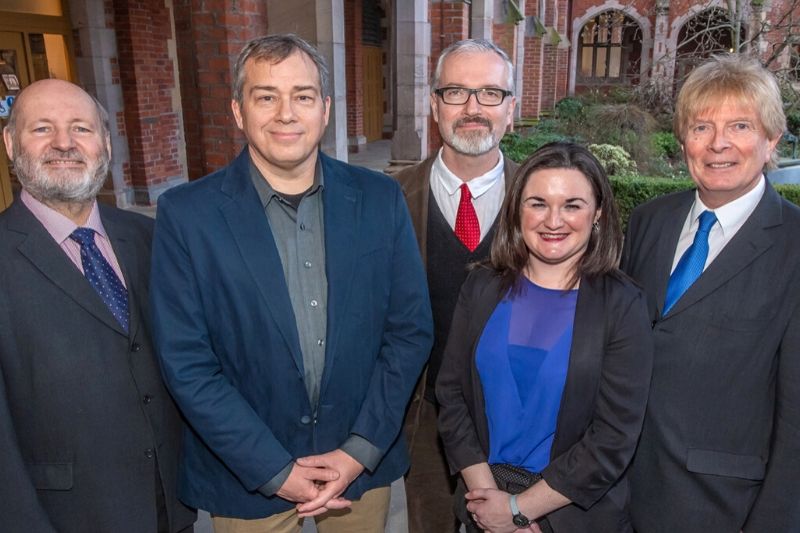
{"points": [[373, 93], [14, 76]]}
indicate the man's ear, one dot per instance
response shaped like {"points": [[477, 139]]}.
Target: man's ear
{"points": [[237, 114], [9, 142]]}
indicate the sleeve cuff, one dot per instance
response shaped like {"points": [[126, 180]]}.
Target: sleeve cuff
{"points": [[362, 451], [273, 485]]}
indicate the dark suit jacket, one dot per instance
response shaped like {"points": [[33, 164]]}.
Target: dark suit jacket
{"points": [[720, 447], [230, 348], [83, 411], [416, 183], [601, 408]]}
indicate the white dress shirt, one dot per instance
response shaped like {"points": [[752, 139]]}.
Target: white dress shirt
{"points": [[730, 218], [487, 193]]}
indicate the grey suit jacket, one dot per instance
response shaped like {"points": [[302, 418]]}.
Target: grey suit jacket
{"points": [[720, 447], [84, 417]]}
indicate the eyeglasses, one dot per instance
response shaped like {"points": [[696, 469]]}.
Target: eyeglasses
{"points": [[488, 96]]}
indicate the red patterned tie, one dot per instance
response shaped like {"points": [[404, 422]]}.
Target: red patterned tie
{"points": [[468, 230]]}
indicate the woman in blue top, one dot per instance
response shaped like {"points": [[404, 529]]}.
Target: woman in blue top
{"points": [[548, 362]]}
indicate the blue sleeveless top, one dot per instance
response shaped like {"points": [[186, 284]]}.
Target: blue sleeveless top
{"points": [[522, 359]]}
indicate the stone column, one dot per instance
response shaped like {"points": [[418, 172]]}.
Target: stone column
{"points": [[98, 72], [412, 43], [482, 15]]}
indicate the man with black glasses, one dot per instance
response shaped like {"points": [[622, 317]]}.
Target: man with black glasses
{"points": [[454, 198]]}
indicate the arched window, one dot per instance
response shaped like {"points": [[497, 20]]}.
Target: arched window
{"points": [[709, 32], [610, 49]]}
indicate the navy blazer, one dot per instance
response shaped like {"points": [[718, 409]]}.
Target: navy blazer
{"points": [[229, 346], [720, 447], [602, 405]]}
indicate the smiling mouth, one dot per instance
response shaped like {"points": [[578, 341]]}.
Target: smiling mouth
{"points": [[64, 162], [553, 236], [720, 165]]}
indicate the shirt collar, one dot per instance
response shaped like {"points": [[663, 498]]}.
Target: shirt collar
{"points": [[732, 215], [265, 191], [57, 225], [477, 185]]}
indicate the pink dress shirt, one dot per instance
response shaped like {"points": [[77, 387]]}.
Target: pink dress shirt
{"points": [[60, 227]]}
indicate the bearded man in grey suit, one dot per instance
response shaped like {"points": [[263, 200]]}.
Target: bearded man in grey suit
{"points": [[720, 447], [89, 436]]}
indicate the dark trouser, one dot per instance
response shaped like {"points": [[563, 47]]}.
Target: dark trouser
{"points": [[429, 486]]}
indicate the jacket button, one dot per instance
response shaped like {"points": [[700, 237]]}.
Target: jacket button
{"points": [[147, 399], [135, 347], [149, 453], [305, 419]]}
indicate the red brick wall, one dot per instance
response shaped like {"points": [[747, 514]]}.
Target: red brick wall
{"points": [[449, 24], [210, 34], [354, 67], [146, 75]]}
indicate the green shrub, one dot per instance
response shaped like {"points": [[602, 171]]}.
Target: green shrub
{"points": [[518, 147], [616, 160], [665, 145], [631, 191], [570, 109]]}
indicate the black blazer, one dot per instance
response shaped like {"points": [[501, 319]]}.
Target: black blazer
{"points": [[721, 438], [602, 405], [83, 412]]}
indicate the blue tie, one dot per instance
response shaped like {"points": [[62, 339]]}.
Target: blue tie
{"points": [[101, 276], [691, 263]]}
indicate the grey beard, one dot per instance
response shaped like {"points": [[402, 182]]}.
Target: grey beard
{"points": [[472, 144], [46, 186]]}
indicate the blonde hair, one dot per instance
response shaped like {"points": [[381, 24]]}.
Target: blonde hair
{"points": [[731, 77]]}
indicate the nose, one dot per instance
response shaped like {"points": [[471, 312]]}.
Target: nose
{"points": [[472, 107], [720, 140], [285, 111], [554, 219], [62, 139]]}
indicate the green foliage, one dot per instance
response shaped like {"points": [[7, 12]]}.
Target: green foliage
{"points": [[570, 109], [665, 145], [616, 160], [631, 191], [793, 122], [518, 147]]}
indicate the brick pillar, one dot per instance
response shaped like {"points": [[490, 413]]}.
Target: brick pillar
{"points": [[147, 77], [210, 35], [449, 24], [530, 98], [354, 64]]}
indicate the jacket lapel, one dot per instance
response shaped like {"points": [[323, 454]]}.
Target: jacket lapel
{"points": [[249, 227], [48, 257], [750, 241], [342, 204], [582, 372], [672, 221]]}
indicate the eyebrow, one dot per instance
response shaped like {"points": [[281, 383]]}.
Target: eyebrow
{"points": [[272, 88], [568, 200]]}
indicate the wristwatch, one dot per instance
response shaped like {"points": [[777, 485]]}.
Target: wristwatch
{"points": [[519, 519]]}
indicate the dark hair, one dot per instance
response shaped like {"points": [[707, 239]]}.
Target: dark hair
{"points": [[510, 254], [276, 48]]}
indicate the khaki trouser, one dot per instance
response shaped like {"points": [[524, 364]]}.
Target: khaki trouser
{"points": [[367, 515]]}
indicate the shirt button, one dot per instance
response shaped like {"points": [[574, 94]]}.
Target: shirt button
{"points": [[302, 226], [147, 399], [307, 264], [305, 419], [314, 303], [320, 342], [149, 453]]}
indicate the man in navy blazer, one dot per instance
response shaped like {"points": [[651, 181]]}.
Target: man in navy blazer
{"points": [[291, 314]]}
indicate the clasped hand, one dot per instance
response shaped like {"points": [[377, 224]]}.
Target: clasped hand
{"points": [[317, 482], [491, 510]]}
